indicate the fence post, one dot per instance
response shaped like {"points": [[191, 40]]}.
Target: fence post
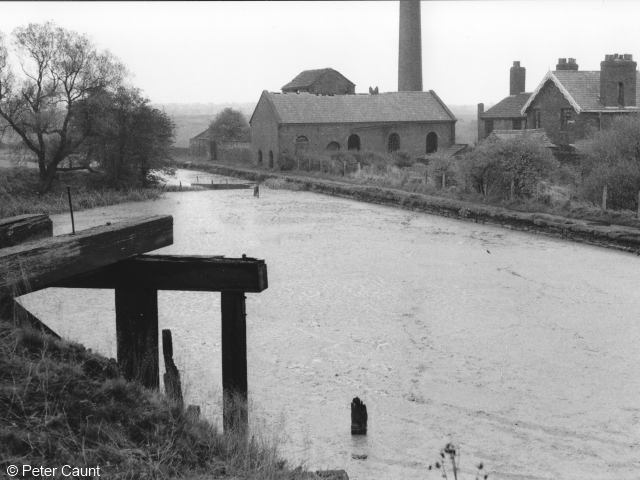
{"points": [[638, 213], [172, 386], [604, 198]]}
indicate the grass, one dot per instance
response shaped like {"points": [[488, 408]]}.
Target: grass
{"points": [[62, 404], [18, 192]]}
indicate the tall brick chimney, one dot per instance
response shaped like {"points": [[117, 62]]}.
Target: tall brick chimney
{"points": [[567, 64], [410, 47], [517, 76], [618, 81]]}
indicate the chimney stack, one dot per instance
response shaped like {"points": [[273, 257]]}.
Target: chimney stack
{"points": [[567, 64], [410, 47], [517, 76], [618, 81]]}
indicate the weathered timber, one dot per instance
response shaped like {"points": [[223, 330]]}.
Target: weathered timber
{"points": [[36, 265], [172, 385], [223, 186], [178, 272], [137, 334], [234, 361], [24, 228], [359, 417], [332, 475]]}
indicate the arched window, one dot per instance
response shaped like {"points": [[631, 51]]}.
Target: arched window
{"points": [[270, 159], [621, 94], [353, 143], [333, 146], [432, 142], [259, 157], [302, 144], [393, 144]]}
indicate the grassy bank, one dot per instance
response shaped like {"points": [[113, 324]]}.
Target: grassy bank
{"points": [[61, 404], [18, 192]]}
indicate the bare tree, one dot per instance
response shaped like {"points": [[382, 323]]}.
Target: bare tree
{"points": [[59, 69]]}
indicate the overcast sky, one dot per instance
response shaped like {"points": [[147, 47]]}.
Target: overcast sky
{"points": [[230, 51]]}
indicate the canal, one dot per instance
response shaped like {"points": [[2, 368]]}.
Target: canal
{"points": [[522, 349]]}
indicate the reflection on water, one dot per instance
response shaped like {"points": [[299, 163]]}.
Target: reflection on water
{"points": [[522, 349]]}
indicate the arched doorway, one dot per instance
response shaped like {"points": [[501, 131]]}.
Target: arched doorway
{"points": [[432, 142], [302, 144], [270, 159], [333, 146], [259, 157], [393, 144], [353, 143]]}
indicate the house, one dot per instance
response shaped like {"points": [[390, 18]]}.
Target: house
{"points": [[570, 103], [205, 145], [416, 122], [507, 113], [324, 81]]}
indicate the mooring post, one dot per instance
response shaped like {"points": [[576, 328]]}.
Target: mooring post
{"points": [[172, 385], [234, 361], [359, 417], [137, 334]]}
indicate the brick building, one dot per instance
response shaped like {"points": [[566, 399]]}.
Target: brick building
{"points": [[206, 145], [506, 114], [324, 81], [418, 123], [568, 103]]}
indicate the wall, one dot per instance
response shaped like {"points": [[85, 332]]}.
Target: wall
{"points": [[550, 101], [264, 132], [373, 136]]}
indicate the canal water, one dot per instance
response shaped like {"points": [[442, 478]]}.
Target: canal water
{"points": [[522, 349]]}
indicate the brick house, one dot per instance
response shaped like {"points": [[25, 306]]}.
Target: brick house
{"points": [[570, 103], [324, 81], [506, 114], [418, 123]]}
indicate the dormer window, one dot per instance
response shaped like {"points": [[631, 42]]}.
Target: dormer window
{"points": [[621, 94]]}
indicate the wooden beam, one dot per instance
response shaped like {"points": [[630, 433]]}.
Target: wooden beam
{"points": [[178, 272], [137, 335], [24, 228], [36, 265], [234, 362], [223, 186]]}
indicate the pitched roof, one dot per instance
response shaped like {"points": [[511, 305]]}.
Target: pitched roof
{"points": [[307, 78], [358, 108], [204, 135], [508, 107], [536, 134], [581, 88]]}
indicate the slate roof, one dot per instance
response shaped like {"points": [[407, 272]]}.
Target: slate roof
{"points": [[581, 88], [389, 107], [508, 107], [307, 78], [536, 134], [205, 135]]}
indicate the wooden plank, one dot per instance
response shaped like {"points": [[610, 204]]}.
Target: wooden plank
{"points": [[36, 265], [234, 362], [172, 385], [223, 186], [24, 228], [178, 272], [137, 335]]}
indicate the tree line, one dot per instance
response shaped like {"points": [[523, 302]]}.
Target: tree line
{"points": [[64, 97]]}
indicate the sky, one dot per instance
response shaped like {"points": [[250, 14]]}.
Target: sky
{"points": [[224, 52]]}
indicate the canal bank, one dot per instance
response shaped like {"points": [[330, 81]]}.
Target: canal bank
{"points": [[593, 233]]}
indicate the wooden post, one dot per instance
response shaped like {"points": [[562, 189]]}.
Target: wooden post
{"points": [[444, 179], [137, 334], [604, 198], [638, 213], [172, 386], [359, 417], [234, 361]]}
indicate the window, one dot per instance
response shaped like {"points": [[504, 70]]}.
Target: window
{"points": [[302, 144], [393, 144], [353, 143], [566, 118], [536, 119], [259, 157], [432, 141], [333, 146], [517, 124], [270, 159], [621, 94], [488, 127]]}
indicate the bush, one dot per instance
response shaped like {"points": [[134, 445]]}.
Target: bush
{"points": [[443, 171], [508, 168]]}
